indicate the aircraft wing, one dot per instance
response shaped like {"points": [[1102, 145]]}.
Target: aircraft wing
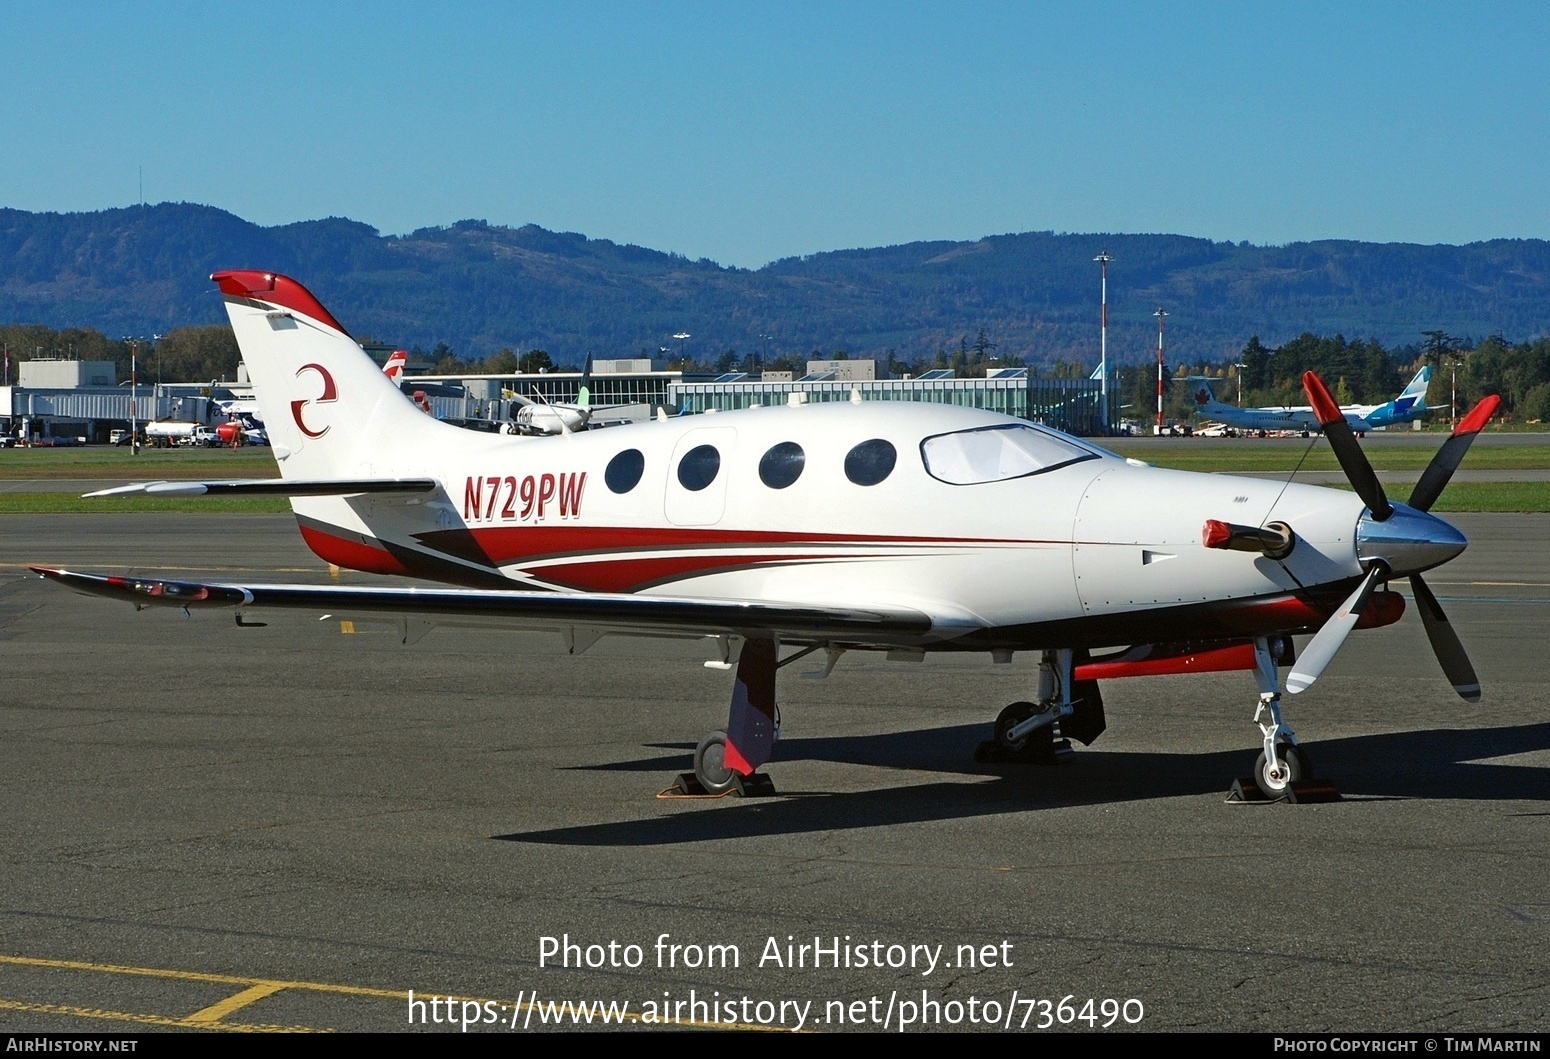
{"points": [[517, 609], [273, 487]]}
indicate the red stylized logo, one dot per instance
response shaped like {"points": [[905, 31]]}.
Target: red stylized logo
{"points": [[329, 395], [1202, 396]]}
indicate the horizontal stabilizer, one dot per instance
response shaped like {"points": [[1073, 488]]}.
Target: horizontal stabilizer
{"points": [[273, 487]]}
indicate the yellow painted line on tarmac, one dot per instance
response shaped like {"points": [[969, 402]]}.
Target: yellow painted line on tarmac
{"points": [[236, 1002], [202, 976], [210, 1018], [151, 1020]]}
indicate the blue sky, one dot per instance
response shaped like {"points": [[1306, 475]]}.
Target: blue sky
{"points": [[746, 132]]}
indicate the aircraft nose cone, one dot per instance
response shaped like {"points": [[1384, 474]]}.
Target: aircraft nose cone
{"points": [[1408, 541]]}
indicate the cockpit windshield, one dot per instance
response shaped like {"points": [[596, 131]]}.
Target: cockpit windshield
{"points": [[994, 454]]}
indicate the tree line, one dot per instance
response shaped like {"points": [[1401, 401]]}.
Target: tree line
{"points": [[1360, 371], [1364, 372]]}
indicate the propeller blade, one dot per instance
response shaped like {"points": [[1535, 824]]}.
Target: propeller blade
{"points": [[1326, 642], [1352, 460], [1445, 643], [1435, 478]]}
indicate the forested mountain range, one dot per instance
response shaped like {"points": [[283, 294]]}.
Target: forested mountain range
{"points": [[478, 288]]}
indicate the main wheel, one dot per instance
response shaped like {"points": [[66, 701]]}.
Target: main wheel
{"points": [[1295, 766], [710, 766], [1008, 719]]}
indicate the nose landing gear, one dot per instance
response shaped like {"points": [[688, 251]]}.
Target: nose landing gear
{"points": [[1283, 771]]}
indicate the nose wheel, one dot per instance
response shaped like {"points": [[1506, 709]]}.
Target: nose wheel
{"points": [[1292, 765]]}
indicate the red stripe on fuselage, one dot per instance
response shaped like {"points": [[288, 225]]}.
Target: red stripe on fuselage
{"points": [[627, 574], [507, 545], [354, 554], [1213, 660]]}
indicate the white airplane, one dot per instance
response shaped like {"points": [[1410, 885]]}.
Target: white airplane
{"points": [[1410, 404], [544, 417], [896, 527]]}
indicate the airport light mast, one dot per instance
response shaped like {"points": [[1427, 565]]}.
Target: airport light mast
{"points": [[134, 401], [1160, 317], [1103, 260]]}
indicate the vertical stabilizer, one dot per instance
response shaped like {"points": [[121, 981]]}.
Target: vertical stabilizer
{"points": [[329, 410]]}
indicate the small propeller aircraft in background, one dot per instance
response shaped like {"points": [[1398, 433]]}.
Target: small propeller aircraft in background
{"points": [[546, 417], [882, 526]]}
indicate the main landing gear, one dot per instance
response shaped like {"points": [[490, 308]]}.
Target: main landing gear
{"points": [[1041, 733], [727, 762], [1283, 771]]}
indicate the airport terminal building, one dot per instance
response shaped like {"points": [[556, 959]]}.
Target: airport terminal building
{"points": [[79, 401], [1071, 405], [634, 391]]}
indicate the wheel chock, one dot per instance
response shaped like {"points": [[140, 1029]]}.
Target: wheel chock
{"points": [[991, 752], [1304, 792], [757, 785]]}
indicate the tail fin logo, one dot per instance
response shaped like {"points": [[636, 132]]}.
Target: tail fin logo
{"points": [[329, 395], [1202, 396]]}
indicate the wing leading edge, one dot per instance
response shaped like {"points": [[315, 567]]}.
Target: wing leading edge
{"points": [[551, 611], [272, 487]]}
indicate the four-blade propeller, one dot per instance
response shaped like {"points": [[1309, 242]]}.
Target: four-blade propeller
{"points": [[1353, 461]]}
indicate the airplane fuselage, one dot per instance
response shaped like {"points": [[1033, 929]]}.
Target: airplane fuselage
{"points": [[925, 506]]}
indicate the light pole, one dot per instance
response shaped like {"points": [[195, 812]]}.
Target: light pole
{"points": [[1240, 366], [1103, 260], [764, 357], [1160, 317], [134, 399], [681, 336]]}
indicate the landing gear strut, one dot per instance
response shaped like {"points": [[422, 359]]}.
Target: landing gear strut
{"points": [[727, 761]]}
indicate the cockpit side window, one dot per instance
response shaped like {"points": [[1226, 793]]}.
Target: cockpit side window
{"points": [[995, 454]]}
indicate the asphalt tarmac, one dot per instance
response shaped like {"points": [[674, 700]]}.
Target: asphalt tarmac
{"points": [[208, 826]]}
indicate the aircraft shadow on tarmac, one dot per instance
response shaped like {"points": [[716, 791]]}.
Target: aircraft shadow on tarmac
{"points": [[1434, 764]]}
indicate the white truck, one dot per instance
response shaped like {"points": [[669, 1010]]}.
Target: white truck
{"points": [[166, 433]]}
